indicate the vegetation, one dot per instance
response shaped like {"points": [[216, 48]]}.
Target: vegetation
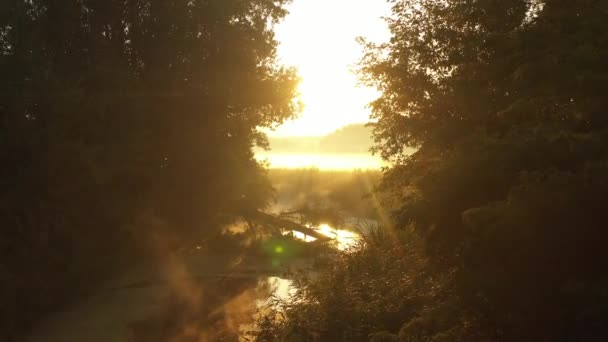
{"points": [[337, 194], [126, 127], [365, 291], [351, 139], [503, 102]]}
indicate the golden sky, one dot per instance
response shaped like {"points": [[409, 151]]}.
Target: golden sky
{"points": [[318, 38]]}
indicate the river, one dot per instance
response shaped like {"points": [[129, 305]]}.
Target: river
{"points": [[133, 306]]}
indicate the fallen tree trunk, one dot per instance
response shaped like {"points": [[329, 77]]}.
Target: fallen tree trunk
{"points": [[282, 223]]}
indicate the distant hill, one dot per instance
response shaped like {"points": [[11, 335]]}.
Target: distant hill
{"points": [[351, 139]]}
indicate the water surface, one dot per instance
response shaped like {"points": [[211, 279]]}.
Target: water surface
{"points": [[321, 161], [138, 307]]}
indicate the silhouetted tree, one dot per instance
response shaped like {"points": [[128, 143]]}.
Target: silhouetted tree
{"points": [[116, 112], [504, 102]]}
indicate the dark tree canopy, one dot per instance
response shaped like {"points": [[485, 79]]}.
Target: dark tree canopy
{"points": [[126, 121], [504, 101]]}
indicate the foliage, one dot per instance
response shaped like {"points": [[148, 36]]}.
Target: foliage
{"points": [[502, 101], [124, 125], [366, 294]]}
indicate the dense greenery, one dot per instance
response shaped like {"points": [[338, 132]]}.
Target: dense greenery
{"points": [[360, 293], [504, 101], [126, 126]]}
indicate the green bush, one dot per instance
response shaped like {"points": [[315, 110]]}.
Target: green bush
{"points": [[358, 295]]}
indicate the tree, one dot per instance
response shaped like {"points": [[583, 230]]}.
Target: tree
{"points": [[112, 111], [502, 100]]}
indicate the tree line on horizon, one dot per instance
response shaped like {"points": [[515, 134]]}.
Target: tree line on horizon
{"points": [[350, 139]]}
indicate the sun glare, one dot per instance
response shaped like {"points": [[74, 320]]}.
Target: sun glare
{"points": [[344, 239], [318, 37]]}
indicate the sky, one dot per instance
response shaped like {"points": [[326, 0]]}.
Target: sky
{"points": [[318, 38]]}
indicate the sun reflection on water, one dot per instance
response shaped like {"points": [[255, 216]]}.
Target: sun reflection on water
{"points": [[344, 239]]}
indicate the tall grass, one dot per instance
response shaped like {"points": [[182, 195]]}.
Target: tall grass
{"points": [[365, 293]]}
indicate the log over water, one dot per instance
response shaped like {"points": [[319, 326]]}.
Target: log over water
{"points": [[282, 223]]}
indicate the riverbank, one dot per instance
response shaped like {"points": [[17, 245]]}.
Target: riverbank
{"points": [[132, 305]]}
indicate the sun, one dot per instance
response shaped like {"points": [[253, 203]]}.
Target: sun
{"points": [[318, 37]]}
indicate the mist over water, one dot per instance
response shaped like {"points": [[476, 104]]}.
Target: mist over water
{"points": [[345, 149], [321, 161]]}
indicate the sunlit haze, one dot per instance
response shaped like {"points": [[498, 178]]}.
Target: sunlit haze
{"points": [[152, 191], [322, 161], [318, 37]]}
